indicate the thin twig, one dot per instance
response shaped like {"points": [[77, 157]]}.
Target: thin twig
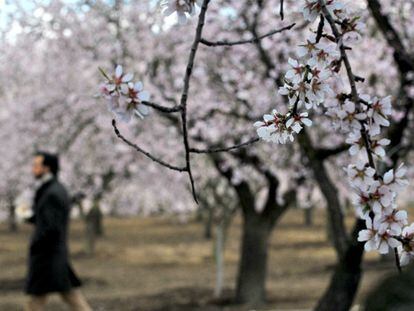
{"points": [[282, 14], [319, 32], [225, 149], [162, 108], [147, 154], [184, 96], [397, 260], [252, 40]]}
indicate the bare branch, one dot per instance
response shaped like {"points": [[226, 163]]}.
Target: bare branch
{"points": [[184, 95], [147, 154], [282, 14], [162, 108], [323, 153], [252, 40], [225, 149]]}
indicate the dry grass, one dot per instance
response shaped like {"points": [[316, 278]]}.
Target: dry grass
{"points": [[161, 264]]}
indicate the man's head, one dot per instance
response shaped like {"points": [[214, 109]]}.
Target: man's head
{"points": [[43, 163]]}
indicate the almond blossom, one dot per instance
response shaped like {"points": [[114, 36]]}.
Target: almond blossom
{"points": [[296, 73], [124, 97], [312, 8], [308, 84], [386, 240], [378, 113], [360, 174], [395, 179], [349, 117], [316, 93], [274, 128], [296, 122], [381, 196], [183, 8], [406, 250], [369, 236], [391, 219]]}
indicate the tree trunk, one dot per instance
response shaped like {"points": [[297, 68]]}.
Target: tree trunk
{"points": [[347, 275], [93, 222], [219, 257], [90, 238], [308, 216], [97, 219], [208, 223], [253, 262], [12, 218]]}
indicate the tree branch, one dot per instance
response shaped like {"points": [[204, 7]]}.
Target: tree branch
{"points": [[184, 95], [225, 149], [248, 41], [244, 193], [162, 108], [324, 153], [147, 154], [404, 61]]}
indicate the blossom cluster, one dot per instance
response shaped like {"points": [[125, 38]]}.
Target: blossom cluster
{"points": [[279, 128], [306, 86], [362, 118], [183, 8], [124, 97]]}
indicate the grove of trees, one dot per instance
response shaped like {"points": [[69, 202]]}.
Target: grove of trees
{"points": [[312, 77]]}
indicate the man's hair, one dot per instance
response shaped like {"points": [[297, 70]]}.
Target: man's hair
{"points": [[50, 160]]}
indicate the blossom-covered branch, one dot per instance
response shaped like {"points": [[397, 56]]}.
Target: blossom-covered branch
{"points": [[307, 85]]}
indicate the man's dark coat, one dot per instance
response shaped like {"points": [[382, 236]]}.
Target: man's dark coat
{"points": [[49, 267]]}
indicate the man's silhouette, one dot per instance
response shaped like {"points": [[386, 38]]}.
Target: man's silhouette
{"points": [[49, 267]]}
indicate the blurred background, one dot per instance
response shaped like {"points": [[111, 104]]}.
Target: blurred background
{"points": [[273, 227]]}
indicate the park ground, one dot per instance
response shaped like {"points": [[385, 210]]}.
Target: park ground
{"points": [[161, 263]]}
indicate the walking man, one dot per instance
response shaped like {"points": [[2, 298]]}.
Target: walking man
{"points": [[49, 268]]}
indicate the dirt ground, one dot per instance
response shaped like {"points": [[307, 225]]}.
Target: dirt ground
{"points": [[159, 263]]}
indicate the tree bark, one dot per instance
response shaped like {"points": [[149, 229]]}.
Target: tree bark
{"points": [[308, 216], [96, 219], [93, 228], [12, 218], [219, 257], [346, 277], [253, 262], [336, 221], [208, 223], [90, 238]]}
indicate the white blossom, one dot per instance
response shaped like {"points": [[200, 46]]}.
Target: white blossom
{"points": [[273, 128], [296, 122], [381, 196], [349, 117], [386, 240], [391, 219], [395, 179], [406, 250], [312, 8], [360, 174], [369, 236], [124, 97], [377, 147], [295, 74], [183, 8], [378, 112]]}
